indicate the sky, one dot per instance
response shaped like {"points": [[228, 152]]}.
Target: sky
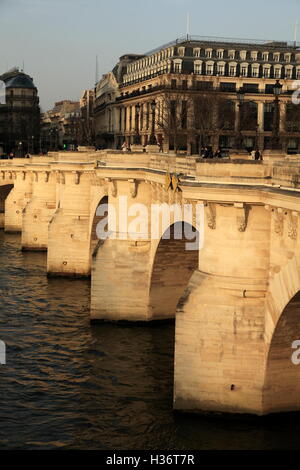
{"points": [[58, 40]]}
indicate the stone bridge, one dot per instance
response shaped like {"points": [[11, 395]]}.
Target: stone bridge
{"points": [[235, 298]]}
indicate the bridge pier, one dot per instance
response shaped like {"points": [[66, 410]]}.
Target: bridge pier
{"points": [[220, 348], [38, 212], [69, 251], [17, 199], [120, 280], [220, 351]]}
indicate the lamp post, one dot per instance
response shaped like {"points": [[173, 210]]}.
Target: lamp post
{"points": [[277, 89], [20, 150], [152, 140], [137, 139], [241, 99]]}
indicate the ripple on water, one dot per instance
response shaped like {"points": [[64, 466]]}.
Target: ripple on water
{"points": [[68, 384]]}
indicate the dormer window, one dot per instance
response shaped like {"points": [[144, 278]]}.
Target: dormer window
{"points": [[276, 57], [220, 53], [197, 52], [265, 56], [254, 55], [181, 51], [231, 54], [208, 53], [287, 57], [243, 55]]}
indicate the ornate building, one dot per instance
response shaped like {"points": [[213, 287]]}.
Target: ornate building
{"points": [[19, 114], [107, 90], [188, 79]]}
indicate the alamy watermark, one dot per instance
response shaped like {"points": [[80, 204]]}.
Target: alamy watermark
{"points": [[2, 92], [2, 353], [159, 221]]}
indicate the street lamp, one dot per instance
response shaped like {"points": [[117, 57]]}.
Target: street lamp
{"points": [[152, 140], [241, 99], [137, 139], [277, 90], [20, 150]]}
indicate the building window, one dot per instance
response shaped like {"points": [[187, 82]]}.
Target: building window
{"points": [[298, 74], [265, 56], [209, 69], [181, 51], [197, 68], [221, 69], [197, 52], [220, 53], [288, 73], [277, 72], [287, 57], [177, 67], [255, 72], [266, 72], [232, 70], [254, 55], [231, 54], [276, 57], [208, 53], [243, 55], [244, 71]]}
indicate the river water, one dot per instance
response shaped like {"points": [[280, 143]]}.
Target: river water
{"points": [[69, 384]]}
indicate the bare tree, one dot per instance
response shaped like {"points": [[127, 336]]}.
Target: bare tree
{"points": [[213, 113], [172, 118]]}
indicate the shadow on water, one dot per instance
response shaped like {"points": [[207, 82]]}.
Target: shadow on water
{"points": [[70, 384]]}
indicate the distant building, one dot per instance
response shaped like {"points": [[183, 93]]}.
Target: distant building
{"points": [[106, 92], [87, 134], [20, 114], [169, 80], [60, 126]]}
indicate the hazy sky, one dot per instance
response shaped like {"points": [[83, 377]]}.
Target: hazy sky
{"points": [[59, 39]]}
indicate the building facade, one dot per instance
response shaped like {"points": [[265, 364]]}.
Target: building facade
{"points": [[87, 134], [180, 84], [19, 114], [107, 90], [61, 126]]}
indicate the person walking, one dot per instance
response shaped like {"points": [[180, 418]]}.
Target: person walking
{"points": [[257, 155]]}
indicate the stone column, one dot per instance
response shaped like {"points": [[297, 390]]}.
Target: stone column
{"points": [[260, 116]]}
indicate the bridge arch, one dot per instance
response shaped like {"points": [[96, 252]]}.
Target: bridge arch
{"points": [[175, 260], [97, 216], [281, 389], [5, 189], [282, 379]]}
